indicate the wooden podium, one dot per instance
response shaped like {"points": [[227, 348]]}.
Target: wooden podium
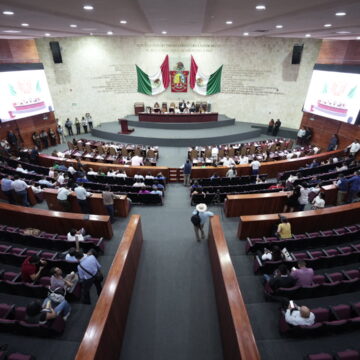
{"points": [[124, 127]]}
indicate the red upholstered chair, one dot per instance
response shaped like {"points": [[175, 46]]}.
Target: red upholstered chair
{"points": [[348, 355], [320, 356]]}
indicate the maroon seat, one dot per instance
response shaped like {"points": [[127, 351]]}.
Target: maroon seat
{"points": [[20, 313], [348, 354], [6, 310], [322, 314], [320, 356], [19, 356]]}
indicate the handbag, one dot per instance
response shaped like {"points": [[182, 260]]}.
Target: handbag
{"points": [[57, 295]]}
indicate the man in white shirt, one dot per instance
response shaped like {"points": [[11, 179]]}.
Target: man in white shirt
{"points": [[20, 188], [214, 152], [228, 162], [354, 147], [243, 159], [137, 161], [61, 179], [45, 182], [299, 316], [91, 172], [21, 169], [62, 197], [304, 197], [138, 177], [255, 166], [139, 183], [71, 170], [82, 195], [121, 174]]}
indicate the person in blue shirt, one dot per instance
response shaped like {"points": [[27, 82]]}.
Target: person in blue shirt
{"points": [[342, 186], [6, 188], [201, 209], [354, 186], [187, 172]]}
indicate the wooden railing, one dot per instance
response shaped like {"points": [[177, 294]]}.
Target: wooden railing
{"points": [[104, 334], [55, 221], [301, 221], [236, 331]]}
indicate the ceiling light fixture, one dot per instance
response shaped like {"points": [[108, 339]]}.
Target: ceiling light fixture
{"points": [[47, 34], [279, 26], [8, 12], [25, 24], [123, 22], [358, 38], [341, 13], [11, 31], [343, 32], [246, 34], [229, 22], [88, 7], [260, 7], [110, 33], [164, 32], [73, 26], [327, 25], [91, 34], [308, 35]]}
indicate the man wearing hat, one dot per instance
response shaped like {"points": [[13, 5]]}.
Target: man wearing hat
{"points": [[201, 211]]}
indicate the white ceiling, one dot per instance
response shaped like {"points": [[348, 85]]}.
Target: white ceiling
{"points": [[181, 18]]}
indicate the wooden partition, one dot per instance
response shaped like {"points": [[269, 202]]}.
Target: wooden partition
{"points": [[105, 332], [55, 221], [301, 221], [252, 204], [47, 160], [30, 193], [121, 203], [330, 192], [236, 331], [272, 168]]}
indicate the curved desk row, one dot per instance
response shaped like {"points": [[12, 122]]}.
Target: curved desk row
{"points": [[178, 118], [105, 331], [55, 221], [301, 221], [121, 203]]}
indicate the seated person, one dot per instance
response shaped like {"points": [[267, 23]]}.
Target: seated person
{"points": [[280, 279], [78, 235], [284, 228], [149, 176], [144, 190], [214, 176], [303, 275], [121, 174], [272, 255], [243, 160], [45, 182], [40, 314], [318, 202], [159, 186], [227, 161], [139, 183], [138, 176], [155, 190], [31, 268], [66, 283], [21, 169], [156, 107], [299, 315], [71, 254], [231, 173], [160, 176], [193, 108]]}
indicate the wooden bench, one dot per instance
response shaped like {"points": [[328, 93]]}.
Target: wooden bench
{"points": [[301, 221], [55, 221], [236, 332], [121, 203], [105, 332], [252, 204]]}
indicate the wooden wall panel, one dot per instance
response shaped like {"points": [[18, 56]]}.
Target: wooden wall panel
{"points": [[18, 51]]}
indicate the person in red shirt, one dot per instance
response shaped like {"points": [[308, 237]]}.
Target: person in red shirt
{"points": [[31, 268]]}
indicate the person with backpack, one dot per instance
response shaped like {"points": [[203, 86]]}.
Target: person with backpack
{"points": [[199, 217]]}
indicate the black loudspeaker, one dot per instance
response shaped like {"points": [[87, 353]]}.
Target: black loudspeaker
{"points": [[56, 52], [296, 54]]}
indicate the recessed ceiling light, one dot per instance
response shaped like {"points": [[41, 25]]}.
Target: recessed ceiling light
{"points": [[279, 26], [341, 13], [8, 12], [358, 38], [260, 7], [91, 34], [11, 31], [327, 25], [88, 7], [308, 35], [246, 34], [25, 24], [343, 32], [164, 32], [123, 22], [229, 22], [110, 33], [73, 26], [47, 34]]}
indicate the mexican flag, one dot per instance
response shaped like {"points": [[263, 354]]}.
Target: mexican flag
{"points": [[204, 84], [154, 84]]}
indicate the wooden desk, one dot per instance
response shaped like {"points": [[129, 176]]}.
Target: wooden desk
{"points": [[54, 221], [301, 221], [47, 160], [235, 327], [272, 168], [30, 193], [105, 332], [330, 192], [178, 118], [252, 204], [121, 204]]}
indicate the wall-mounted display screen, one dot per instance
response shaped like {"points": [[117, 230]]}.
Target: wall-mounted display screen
{"points": [[334, 92], [24, 91]]}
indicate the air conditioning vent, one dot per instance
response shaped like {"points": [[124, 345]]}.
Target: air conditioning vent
{"points": [[261, 31]]}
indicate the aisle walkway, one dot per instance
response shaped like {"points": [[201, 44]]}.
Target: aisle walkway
{"points": [[173, 311]]}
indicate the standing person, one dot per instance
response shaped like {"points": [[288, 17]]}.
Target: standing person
{"points": [[44, 138], [342, 186], [82, 195], [271, 126], [334, 143], [300, 136], [20, 188], [36, 139], [68, 125], [354, 186], [255, 166], [7, 188], [276, 127], [84, 124], [12, 139], [308, 135], [354, 147], [89, 120], [60, 132], [200, 215], [78, 126], [89, 274], [187, 172], [304, 196], [63, 198], [108, 201]]}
